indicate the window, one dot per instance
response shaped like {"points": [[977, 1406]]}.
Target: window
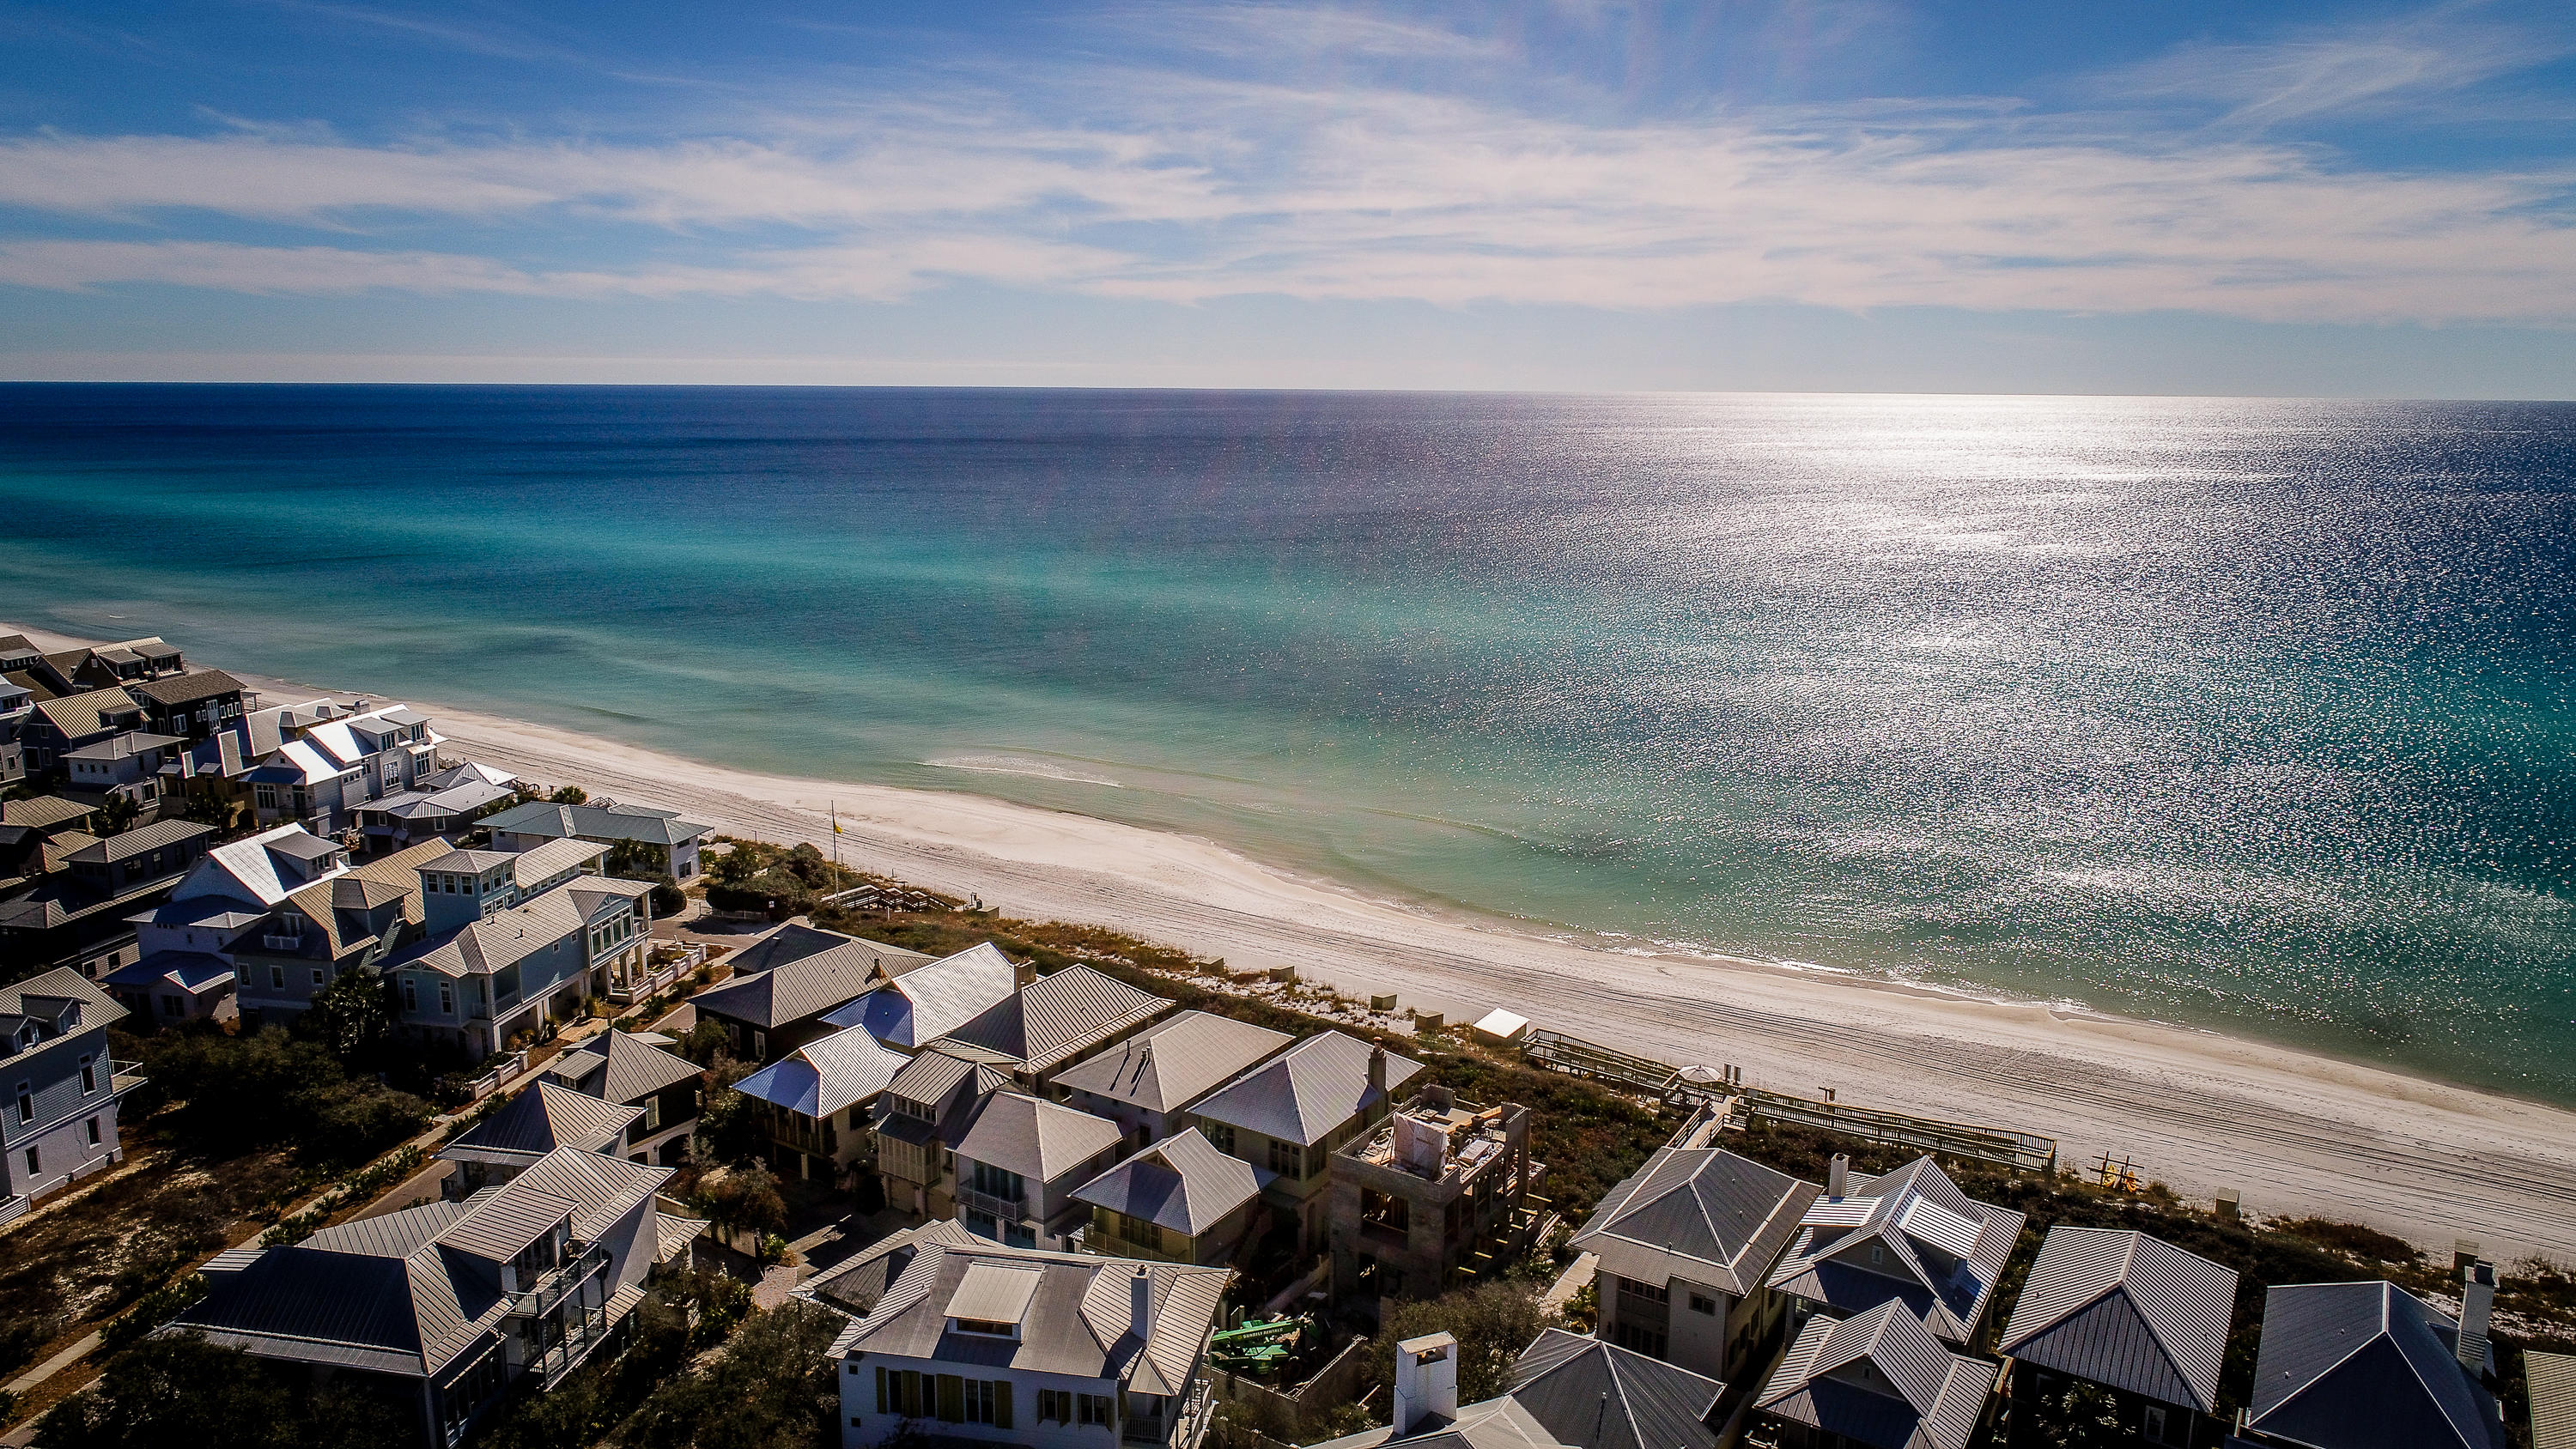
{"points": [[173, 1006], [317, 975], [26, 1102], [1288, 1159], [1055, 1406], [89, 1075], [1637, 1338], [1650, 1292], [447, 998], [411, 994], [899, 1392], [1219, 1136], [760, 1043], [998, 1182], [93, 1132], [2155, 1425], [1877, 1254], [34, 1164], [1702, 1303], [277, 977], [1094, 1409]]}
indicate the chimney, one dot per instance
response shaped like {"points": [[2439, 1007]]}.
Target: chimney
{"points": [[1140, 1303], [1377, 1071], [1838, 1176], [1426, 1380], [2477, 1303]]}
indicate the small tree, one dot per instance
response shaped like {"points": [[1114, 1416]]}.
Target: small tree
{"points": [[1493, 1323], [773, 1386], [2079, 1416], [743, 1200], [570, 795], [119, 814], [353, 1016], [203, 809]]}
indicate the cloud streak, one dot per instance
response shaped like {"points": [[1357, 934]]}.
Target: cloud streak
{"points": [[1178, 187]]}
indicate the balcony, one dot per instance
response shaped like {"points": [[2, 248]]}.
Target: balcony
{"points": [[124, 1077], [551, 1290], [999, 1209], [630, 987], [292, 945]]}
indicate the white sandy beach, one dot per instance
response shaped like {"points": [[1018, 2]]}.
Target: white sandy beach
{"points": [[2297, 1133]]}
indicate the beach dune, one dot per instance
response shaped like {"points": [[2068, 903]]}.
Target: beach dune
{"points": [[2295, 1133]]}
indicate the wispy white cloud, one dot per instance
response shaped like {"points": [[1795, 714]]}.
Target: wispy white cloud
{"points": [[2344, 71], [1176, 186]]}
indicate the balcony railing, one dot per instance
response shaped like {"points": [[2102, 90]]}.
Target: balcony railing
{"points": [[636, 985], [1000, 1209], [281, 943], [551, 1290]]}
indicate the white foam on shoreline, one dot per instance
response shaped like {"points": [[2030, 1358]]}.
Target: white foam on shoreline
{"points": [[1020, 765]]}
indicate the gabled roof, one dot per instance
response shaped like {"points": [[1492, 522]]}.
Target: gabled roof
{"points": [[1910, 1235], [1182, 1183], [615, 1067], [1175, 1063], [932, 999], [2357, 1365], [363, 886], [141, 841], [526, 867], [548, 922], [41, 811], [1501, 1423], [546, 1117], [1305, 1092], [1700, 1213], [1596, 1395], [1077, 1322], [856, 1284], [807, 982], [250, 870], [462, 798], [1060, 1016], [44, 998], [611, 822], [178, 689], [190, 971], [1879, 1378], [468, 773], [402, 1294], [82, 715], [1038, 1139], [2125, 1310], [825, 1075]]}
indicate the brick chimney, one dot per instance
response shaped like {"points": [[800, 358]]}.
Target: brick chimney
{"points": [[2477, 1305], [1377, 1071], [1838, 1176], [1426, 1380]]}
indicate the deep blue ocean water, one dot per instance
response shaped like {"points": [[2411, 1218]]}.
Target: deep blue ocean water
{"points": [[2244, 713]]}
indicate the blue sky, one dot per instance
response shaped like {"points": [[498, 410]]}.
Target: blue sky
{"points": [[1847, 194]]}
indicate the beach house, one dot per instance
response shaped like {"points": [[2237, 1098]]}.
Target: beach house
{"points": [[240, 897], [926, 1000], [59, 1118], [971, 1341], [327, 928], [53, 728], [2135, 1317], [106, 666], [1018, 1163], [1058, 1020], [788, 981], [668, 844], [636, 1069], [2372, 1366], [192, 706], [1179, 1200], [1156, 1076], [75, 907], [1290, 1114], [817, 1103], [326, 768], [1877, 1378], [527, 1128], [1567, 1390], [513, 943], [444, 1308], [1910, 1235], [921, 1113], [1440, 1189], [431, 810], [1684, 1246]]}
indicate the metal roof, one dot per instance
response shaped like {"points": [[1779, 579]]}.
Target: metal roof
{"points": [[41, 811], [1060, 1016], [1169, 1067], [1880, 1378], [1910, 1235], [826, 1075], [2357, 1365], [2551, 1379], [186, 688], [1596, 1395], [1307, 1091], [2127, 1311], [598, 822], [1038, 1139], [615, 1067], [995, 1292], [545, 1117], [932, 999], [140, 841], [807, 983], [1700, 1212], [1182, 1183]]}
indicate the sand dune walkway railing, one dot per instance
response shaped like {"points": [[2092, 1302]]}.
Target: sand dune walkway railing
{"points": [[1753, 1108]]}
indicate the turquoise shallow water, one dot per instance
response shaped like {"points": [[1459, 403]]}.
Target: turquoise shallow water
{"points": [[2250, 714]]}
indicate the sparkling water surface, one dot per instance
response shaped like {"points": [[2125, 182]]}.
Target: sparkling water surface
{"points": [[2250, 714]]}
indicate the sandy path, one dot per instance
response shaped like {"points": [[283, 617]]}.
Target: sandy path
{"points": [[2296, 1133]]}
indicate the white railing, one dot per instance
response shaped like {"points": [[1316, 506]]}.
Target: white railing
{"points": [[281, 943]]}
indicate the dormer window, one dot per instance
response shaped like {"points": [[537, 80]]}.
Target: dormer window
{"points": [[985, 1326]]}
